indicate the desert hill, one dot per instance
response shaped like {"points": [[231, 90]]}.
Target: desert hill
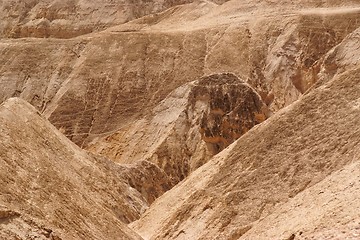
{"points": [[71, 18], [52, 189], [192, 124], [184, 119], [323, 211], [90, 86], [292, 151]]}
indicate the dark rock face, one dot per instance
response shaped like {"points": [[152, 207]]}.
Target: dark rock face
{"points": [[218, 109], [192, 124], [233, 108], [277, 173]]}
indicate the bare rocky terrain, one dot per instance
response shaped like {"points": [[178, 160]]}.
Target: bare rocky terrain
{"points": [[194, 122], [71, 18], [294, 153], [49, 184], [179, 119]]}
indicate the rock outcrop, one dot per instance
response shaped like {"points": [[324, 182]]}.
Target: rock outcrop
{"points": [[272, 164], [264, 144], [192, 124], [92, 85]]}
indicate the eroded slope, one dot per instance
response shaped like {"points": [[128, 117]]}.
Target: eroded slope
{"points": [[71, 18], [52, 189], [110, 89], [323, 211], [192, 124], [293, 150], [91, 86]]}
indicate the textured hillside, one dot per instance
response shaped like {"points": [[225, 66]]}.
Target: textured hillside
{"points": [[192, 124], [185, 119], [52, 189], [71, 18], [92, 85], [293, 150], [324, 211]]}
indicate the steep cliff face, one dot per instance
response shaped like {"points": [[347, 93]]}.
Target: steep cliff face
{"points": [[192, 124], [51, 189]]}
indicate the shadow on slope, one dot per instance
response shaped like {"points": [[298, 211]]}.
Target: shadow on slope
{"points": [[46, 180]]}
